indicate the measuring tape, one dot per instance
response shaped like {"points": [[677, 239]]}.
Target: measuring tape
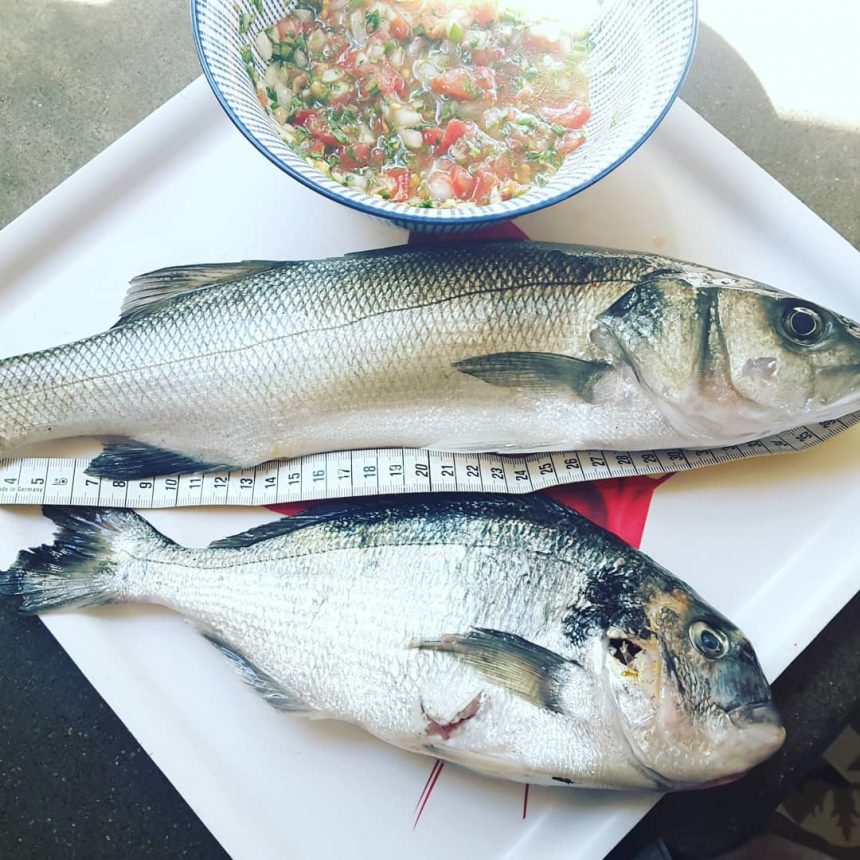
{"points": [[374, 471]]}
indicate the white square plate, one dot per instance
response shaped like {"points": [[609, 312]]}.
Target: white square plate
{"points": [[768, 541]]}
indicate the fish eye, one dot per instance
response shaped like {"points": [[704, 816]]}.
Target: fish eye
{"points": [[803, 324], [710, 641]]}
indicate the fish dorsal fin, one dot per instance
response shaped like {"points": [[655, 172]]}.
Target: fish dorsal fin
{"points": [[261, 681], [148, 290], [312, 517], [530, 671]]}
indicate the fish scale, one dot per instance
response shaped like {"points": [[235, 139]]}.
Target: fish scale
{"points": [[483, 630], [509, 346]]}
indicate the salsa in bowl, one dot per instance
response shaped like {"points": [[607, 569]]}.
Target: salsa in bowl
{"points": [[445, 114], [425, 102]]}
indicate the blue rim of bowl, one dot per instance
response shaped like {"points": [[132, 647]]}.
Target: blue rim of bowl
{"points": [[415, 218]]}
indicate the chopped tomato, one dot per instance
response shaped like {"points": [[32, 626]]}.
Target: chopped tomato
{"points": [[316, 147], [574, 115], [302, 116], [377, 156], [486, 56], [540, 42], [502, 166], [432, 136], [316, 125], [461, 181], [384, 79], [262, 98], [354, 155], [485, 182], [288, 26], [571, 141], [402, 184], [466, 84], [455, 129], [399, 29], [484, 13], [355, 62]]}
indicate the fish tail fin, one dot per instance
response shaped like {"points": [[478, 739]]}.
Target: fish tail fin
{"points": [[84, 564]]}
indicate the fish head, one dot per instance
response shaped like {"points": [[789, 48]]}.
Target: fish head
{"points": [[726, 359], [694, 706]]}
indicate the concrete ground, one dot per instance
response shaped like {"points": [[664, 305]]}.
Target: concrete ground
{"points": [[779, 79]]}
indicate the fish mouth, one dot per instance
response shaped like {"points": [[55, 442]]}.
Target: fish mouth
{"points": [[755, 714]]}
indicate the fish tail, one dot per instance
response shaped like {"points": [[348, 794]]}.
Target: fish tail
{"points": [[86, 563]]}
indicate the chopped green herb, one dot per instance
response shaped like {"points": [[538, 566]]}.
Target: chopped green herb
{"points": [[258, 5], [373, 20], [511, 17], [245, 22], [426, 203], [445, 110], [558, 129]]}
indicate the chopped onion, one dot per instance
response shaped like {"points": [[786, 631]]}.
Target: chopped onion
{"points": [[306, 15], [412, 138], [264, 46], [300, 58], [284, 94], [417, 45], [470, 110], [340, 89], [477, 39], [405, 117], [280, 115], [440, 186], [270, 78], [396, 58], [337, 4], [365, 135], [316, 41], [356, 180], [376, 51], [356, 27], [329, 76], [424, 70]]}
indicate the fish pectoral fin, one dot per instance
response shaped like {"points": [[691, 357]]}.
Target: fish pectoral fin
{"points": [[545, 372], [261, 681], [532, 672], [130, 460], [148, 290]]}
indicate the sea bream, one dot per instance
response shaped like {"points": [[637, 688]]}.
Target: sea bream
{"points": [[509, 635], [492, 346]]}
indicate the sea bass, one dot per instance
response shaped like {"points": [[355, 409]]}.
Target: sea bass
{"points": [[494, 346], [509, 635]]}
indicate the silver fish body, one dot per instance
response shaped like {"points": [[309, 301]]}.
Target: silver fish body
{"points": [[509, 346], [508, 635]]}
